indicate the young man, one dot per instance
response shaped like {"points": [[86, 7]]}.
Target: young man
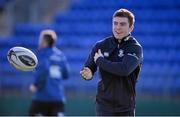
{"points": [[119, 58], [48, 98]]}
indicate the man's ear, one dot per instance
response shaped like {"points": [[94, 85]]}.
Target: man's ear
{"points": [[131, 28]]}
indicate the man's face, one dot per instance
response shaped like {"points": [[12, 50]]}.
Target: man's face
{"points": [[121, 27], [43, 44]]}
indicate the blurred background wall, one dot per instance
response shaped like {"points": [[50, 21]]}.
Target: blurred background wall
{"points": [[79, 24]]}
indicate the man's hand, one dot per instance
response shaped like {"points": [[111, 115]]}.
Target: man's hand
{"points": [[86, 73], [33, 88], [97, 55]]}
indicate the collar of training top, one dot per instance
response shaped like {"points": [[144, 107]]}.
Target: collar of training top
{"points": [[126, 38]]}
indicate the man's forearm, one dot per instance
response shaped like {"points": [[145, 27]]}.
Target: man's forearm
{"points": [[117, 68]]}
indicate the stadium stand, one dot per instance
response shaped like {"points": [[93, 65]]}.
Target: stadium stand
{"points": [[87, 21]]}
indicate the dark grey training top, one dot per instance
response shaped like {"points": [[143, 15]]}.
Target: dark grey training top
{"points": [[118, 72]]}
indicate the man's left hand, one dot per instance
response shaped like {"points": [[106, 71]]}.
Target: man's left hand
{"points": [[97, 55], [33, 88]]}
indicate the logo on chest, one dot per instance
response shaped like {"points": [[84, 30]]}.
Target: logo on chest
{"points": [[106, 54], [121, 53]]}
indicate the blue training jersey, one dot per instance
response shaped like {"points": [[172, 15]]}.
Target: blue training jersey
{"points": [[50, 71]]}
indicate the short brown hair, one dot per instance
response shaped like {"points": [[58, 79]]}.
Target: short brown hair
{"points": [[125, 13], [49, 39], [49, 36]]}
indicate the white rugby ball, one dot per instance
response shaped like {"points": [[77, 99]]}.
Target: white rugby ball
{"points": [[22, 58]]}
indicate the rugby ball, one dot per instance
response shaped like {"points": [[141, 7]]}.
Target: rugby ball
{"points": [[22, 58]]}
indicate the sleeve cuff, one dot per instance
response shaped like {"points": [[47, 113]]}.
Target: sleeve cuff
{"points": [[98, 61]]}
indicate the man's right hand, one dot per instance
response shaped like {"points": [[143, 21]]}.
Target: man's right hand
{"points": [[86, 73]]}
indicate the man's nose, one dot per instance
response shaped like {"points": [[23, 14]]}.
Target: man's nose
{"points": [[118, 27]]}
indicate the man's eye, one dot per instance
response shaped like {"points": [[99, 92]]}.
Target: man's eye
{"points": [[115, 23], [122, 24]]}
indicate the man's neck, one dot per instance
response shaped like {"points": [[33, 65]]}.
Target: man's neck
{"points": [[119, 40]]}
